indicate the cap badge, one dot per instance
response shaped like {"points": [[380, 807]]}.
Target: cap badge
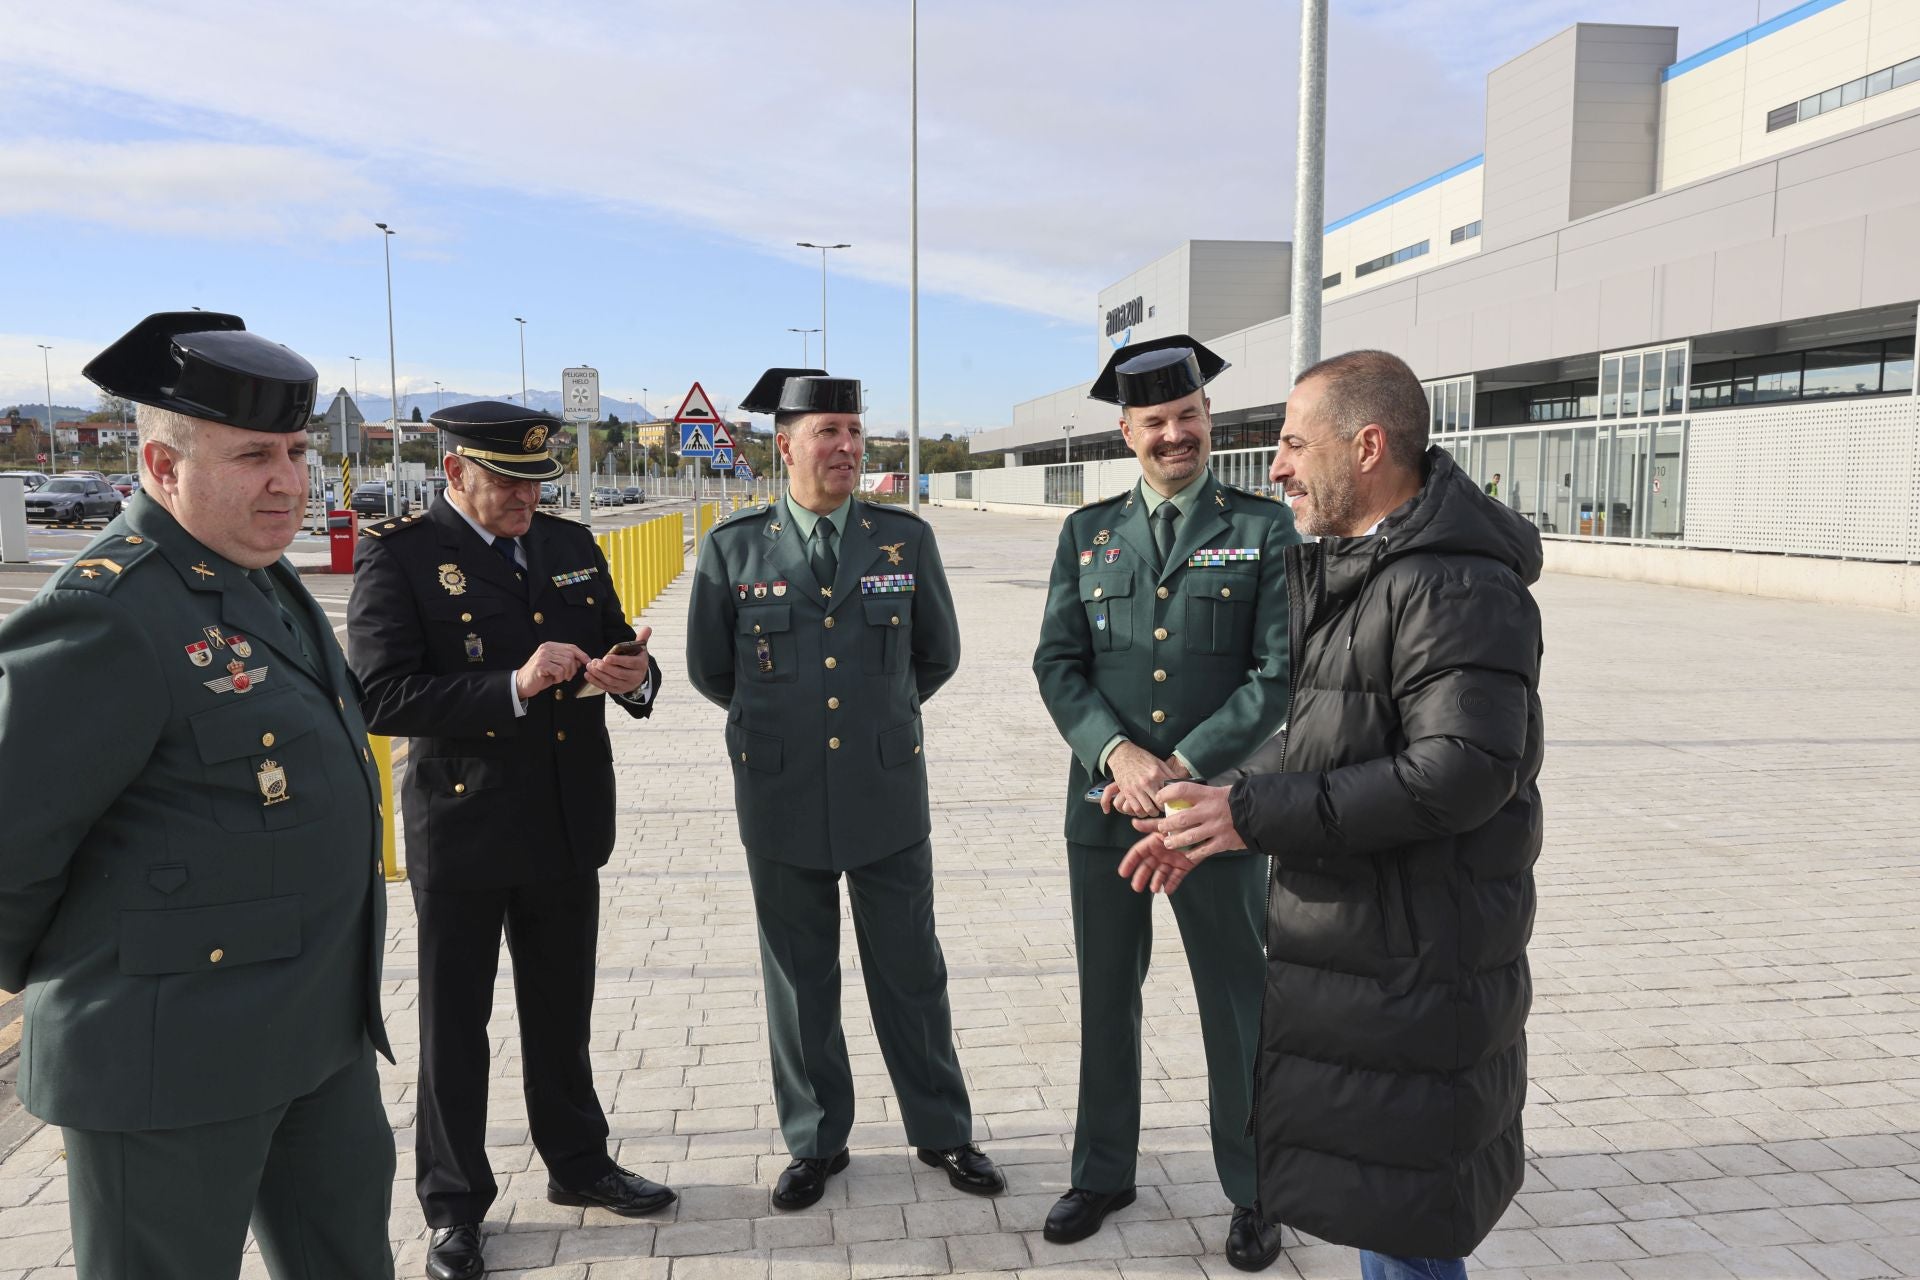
{"points": [[893, 551], [453, 580], [534, 441]]}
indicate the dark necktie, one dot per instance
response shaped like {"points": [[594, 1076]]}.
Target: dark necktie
{"points": [[264, 580], [1164, 516], [824, 561], [506, 548]]}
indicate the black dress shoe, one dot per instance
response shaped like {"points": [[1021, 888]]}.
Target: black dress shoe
{"points": [[805, 1180], [1078, 1214], [968, 1169], [627, 1194], [1252, 1244], [453, 1253]]}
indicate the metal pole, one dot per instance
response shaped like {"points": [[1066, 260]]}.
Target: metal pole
{"points": [[585, 430], [523, 360], [913, 270], [808, 244], [1309, 186], [361, 438], [53, 445], [393, 374]]}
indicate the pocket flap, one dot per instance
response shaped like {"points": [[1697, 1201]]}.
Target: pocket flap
{"points": [[197, 939], [459, 775], [892, 611], [754, 750], [1220, 584], [1099, 586], [250, 727], [462, 608], [167, 877], [899, 744], [764, 619]]}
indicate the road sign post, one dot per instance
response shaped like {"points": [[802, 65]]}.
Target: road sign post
{"points": [[580, 406]]}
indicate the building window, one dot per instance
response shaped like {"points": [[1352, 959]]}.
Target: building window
{"points": [[1851, 369], [1390, 259], [1328, 282], [1845, 95], [1469, 232], [1449, 405]]}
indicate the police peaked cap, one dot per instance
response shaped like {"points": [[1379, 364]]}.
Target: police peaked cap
{"points": [[784, 391], [505, 438], [205, 364], [1156, 371]]}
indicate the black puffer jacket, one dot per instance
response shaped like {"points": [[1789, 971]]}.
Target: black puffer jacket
{"points": [[1392, 1060]]}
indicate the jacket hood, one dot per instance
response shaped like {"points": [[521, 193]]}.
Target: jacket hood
{"points": [[1451, 515]]}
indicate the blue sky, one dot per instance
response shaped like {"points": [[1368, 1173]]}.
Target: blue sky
{"points": [[631, 177]]}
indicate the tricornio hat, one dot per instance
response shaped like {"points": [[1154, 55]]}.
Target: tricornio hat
{"points": [[1156, 371], [784, 391], [205, 364], [506, 438]]}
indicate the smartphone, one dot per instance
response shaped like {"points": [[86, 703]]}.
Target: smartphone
{"points": [[1094, 792], [627, 649]]}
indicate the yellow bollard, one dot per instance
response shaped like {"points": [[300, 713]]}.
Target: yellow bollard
{"points": [[389, 845]]}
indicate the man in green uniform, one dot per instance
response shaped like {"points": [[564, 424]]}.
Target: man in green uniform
{"points": [[821, 624], [195, 908], [1163, 655]]}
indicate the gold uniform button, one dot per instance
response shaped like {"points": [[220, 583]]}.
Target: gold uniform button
{"points": [[743, 757], [558, 693], [342, 702], [466, 617], [560, 736], [1159, 717], [1159, 633], [1225, 592], [1098, 592], [135, 539], [216, 955], [829, 625], [916, 750], [1162, 593], [833, 744], [833, 704], [266, 739], [539, 616], [831, 664], [896, 619], [589, 599], [1160, 677], [756, 627], [459, 788], [490, 733]]}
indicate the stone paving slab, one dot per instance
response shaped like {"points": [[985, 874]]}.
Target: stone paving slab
{"points": [[1725, 1035]]}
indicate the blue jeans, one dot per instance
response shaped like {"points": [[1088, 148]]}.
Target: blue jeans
{"points": [[1383, 1266]]}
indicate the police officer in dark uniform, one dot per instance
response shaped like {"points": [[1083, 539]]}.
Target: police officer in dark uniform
{"points": [[821, 624], [486, 631], [1163, 655], [189, 883]]}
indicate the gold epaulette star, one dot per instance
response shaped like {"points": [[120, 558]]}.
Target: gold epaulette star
{"points": [[89, 573]]}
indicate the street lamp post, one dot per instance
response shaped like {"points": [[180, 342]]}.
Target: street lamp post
{"points": [[523, 360], [1309, 187], [808, 244], [53, 445], [1068, 431], [804, 348], [360, 437], [393, 374], [439, 397]]}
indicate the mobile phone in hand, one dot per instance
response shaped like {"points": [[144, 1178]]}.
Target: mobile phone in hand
{"points": [[627, 649]]}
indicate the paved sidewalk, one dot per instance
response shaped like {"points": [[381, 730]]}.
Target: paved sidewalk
{"points": [[1726, 1030]]}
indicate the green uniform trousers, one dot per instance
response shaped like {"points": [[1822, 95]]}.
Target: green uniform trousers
{"points": [[906, 975], [314, 1176], [1218, 908]]}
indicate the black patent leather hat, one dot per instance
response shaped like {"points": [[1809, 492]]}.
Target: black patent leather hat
{"points": [[1156, 371], [205, 364], [783, 391]]}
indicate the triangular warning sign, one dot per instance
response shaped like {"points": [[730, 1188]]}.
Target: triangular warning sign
{"points": [[722, 438], [696, 407]]}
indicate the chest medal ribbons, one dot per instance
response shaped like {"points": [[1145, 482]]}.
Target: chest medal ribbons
{"points": [[576, 575], [886, 584], [1222, 555]]}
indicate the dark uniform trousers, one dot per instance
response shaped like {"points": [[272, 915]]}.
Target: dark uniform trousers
{"points": [[508, 820]]}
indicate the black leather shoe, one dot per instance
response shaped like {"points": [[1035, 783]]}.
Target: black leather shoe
{"points": [[454, 1253], [1078, 1214], [1252, 1245], [805, 1180], [968, 1169], [627, 1194]]}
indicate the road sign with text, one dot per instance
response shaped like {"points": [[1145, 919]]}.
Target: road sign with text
{"points": [[580, 394]]}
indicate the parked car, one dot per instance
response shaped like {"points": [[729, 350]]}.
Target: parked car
{"points": [[549, 493], [370, 499], [632, 494], [71, 499], [34, 479], [606, 496], [126, 482]]}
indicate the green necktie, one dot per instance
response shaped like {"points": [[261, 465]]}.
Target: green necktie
{"points": [[264, 580], [824, 561], [1163, 517]]}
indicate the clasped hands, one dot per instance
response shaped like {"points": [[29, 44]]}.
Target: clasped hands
{"points": [[556, 663], [1178, 842]]}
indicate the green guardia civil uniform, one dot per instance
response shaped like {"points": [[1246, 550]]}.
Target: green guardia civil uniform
{"points": [[823, 684], [1188, 659], [190, 891]]}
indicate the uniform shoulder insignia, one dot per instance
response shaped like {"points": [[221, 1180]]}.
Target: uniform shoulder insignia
{"points": [[1101, 502], [1250, 495], [102, 566], [387, 528], [894, 508], [756, 512]]}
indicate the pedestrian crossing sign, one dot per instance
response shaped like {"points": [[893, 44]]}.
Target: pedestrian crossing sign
{"points": [[696, 440]]}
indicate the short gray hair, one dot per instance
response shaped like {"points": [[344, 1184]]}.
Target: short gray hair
{"points": [[1375, 387], [175, 430]]}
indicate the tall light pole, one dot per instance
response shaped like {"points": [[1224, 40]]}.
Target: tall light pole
{"points": [[439, 397], [1309, 186], [393, 374], [361, 437], [1072, 422], [808, 244], [523, 360], [804, 348], [53, 445], [913, 255]]}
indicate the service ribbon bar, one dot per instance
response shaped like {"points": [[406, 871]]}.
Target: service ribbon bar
{"points": [[1222, 555], [886, 584]]}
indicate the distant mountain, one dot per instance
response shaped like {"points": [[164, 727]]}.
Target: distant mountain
{"points": [[374, 407], [38, 411]]}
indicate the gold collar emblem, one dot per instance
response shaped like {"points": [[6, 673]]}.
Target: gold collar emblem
{"points": [[453, 580], [893, 551]]}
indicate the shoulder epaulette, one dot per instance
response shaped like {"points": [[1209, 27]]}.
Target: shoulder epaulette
{"points": [[895, 507], [1238, 492], [104, 564], [1101, 502], [758, 509], [386, 528]]}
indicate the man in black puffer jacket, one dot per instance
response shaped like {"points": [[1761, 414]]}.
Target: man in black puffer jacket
{"points": [[1402, 815]]}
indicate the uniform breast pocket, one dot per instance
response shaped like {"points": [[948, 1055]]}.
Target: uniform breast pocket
{"points": [[764, 642], [587, 596], [1108, 600], [469, 632], [1219, 608], [262, 763], [889, 633]]}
